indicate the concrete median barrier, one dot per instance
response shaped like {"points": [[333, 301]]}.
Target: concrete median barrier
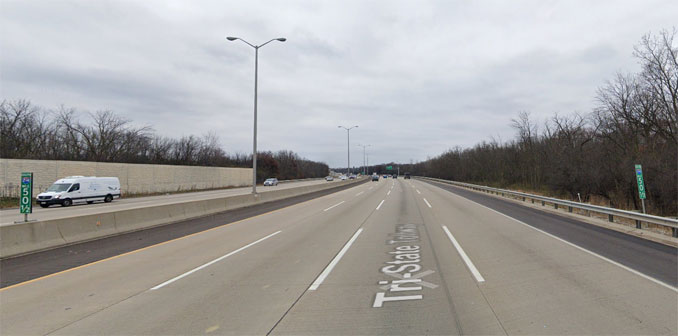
{"points": [[23, 238]]}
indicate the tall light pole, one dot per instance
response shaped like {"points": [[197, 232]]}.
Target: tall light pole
{"points": [[256, 74], [348, 147], [364, 158]]}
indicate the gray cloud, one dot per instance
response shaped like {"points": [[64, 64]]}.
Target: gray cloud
{"points": [[418, 77]]}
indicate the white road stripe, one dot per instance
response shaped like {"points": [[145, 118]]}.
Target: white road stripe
{"points": [[212, 262], [334, 262], [418, 192], [338, 204], [463, 255], [379, 206], [659, 282], [360, 193], [427, 203], [388, 193]]}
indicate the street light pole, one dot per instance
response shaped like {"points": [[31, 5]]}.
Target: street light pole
{"points": [[364, 158], [348, 147], [256, 79]]}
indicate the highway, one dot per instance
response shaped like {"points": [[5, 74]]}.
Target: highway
{"points": [[9, 216], [388, 257]]}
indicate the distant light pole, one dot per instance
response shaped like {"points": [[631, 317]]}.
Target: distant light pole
{"points": [[364, 158], [348, 147], [256, 74], [367, 159]]}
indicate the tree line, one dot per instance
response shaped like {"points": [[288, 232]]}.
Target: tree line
{"points": [[30, 132], [591, 155]]}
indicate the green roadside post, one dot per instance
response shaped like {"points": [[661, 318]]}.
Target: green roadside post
{"points": [[26, 198], [641, 185]]}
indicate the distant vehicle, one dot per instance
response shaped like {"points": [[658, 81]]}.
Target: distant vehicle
{"points": [[385, 176], [352, 177], [395, 176], [329, 178], [75, 189], [271, 182], [343, 177], [375, 177], [407, 176]]}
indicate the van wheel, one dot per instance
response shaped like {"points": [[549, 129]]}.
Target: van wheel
{"points": [[44, 205], [90, 202], [108, 199], [67, 202]]}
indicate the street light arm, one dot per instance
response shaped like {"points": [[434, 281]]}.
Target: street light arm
{"points": [[237, 38], [349, 128], [281, 39]]}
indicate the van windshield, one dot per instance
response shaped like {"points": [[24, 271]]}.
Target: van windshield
{"points": [[58, 187]]}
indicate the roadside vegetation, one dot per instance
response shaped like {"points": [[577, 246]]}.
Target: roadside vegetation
{"points": [[31, 132], [593, 155]]}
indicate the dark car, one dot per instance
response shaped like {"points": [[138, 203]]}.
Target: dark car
{"points": [[407, 176]]}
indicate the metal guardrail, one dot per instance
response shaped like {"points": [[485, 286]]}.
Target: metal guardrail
{"points": [[610, 212]]}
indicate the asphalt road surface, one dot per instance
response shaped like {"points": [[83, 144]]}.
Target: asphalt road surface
{"points": [[388, 257], [9, 216]]}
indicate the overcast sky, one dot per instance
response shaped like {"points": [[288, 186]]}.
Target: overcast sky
{"points": [[418, 77]]}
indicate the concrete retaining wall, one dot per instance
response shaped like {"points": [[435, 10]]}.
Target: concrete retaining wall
{"points": [[134, 178], [29, 237]]}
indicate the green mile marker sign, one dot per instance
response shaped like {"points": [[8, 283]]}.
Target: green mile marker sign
{"points": [[639, 179], [25, 201]]}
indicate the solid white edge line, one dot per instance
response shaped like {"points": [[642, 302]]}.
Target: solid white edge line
{"points": [[659, 282], [334, 262], [212, 262], [427, 203], [338, 204], [463, 255], [379, 206]]}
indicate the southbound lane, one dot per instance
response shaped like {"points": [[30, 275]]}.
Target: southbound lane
{"points": [[9, 216]]}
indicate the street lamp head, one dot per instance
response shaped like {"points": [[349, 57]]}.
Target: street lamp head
{"points": [[231, 38], [281, 39]]}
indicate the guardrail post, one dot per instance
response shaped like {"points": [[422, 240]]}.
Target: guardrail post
{"points": [[569, 209], [675, 232], [523, 198], [555, 206], [610, 218], [533, 201], [543, 203], [638, 224]]}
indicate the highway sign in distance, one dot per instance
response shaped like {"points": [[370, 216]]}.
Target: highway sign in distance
{"points": [[389, 167], [25, 200], [639, 179]]}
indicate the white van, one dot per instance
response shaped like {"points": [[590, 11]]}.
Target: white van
{"points": [[72, 189]]}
